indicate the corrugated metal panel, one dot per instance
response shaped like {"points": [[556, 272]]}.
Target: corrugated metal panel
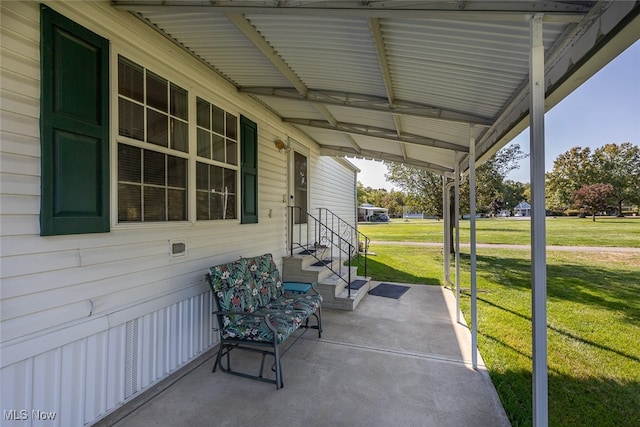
{"points": [[219, 43], [454, 132], [451, 57], [364, 117], [83, 379], [326, 53], [292, 109]]}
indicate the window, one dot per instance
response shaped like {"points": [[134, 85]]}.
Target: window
{"points": [[153, 148], [74, 128], [217, 165]]}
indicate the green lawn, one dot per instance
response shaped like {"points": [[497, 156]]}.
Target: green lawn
{"points": [[593, 314], [567, 231]]}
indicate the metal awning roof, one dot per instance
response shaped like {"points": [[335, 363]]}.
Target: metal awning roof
{"points": [[401, 81]]}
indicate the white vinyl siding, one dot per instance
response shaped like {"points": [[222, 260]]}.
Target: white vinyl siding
{"points": [[333, 187], [88, 320]]}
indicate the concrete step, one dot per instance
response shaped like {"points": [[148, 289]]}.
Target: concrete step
{"points": [[336, 295], [301, 268], [332, 287]]}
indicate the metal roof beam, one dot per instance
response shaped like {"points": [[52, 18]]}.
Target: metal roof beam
{"points": [[369, 102], [377, 132], [250, 32], [573, 60], [327, 150], [565, 12], [378, 40]]}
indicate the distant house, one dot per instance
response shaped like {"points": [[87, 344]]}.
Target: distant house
{"points": [[367, 212], [523, 209]]}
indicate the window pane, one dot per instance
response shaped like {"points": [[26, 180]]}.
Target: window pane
{"points": [[202, 177], [130, 80], [157, 128], [231, 207], [178, 102], [232, 152], [177, 172], [202, 205], [154, 204], [204, 113], [204, 143], [154, 168], [218, 119], [230, 180], [179, 136], [177, 205], [232, 125], [129, 203], [218, 147], [130, 119], [156, 92], [129, 163], [216, 206], [215, 178]]}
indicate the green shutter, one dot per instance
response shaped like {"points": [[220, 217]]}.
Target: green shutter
{"points": [[74, 128], [249, 171]]}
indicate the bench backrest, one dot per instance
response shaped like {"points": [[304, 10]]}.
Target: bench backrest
{"points": [[247, 284], [265, 273]]}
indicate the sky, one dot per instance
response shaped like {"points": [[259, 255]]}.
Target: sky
{"points": [[605, 109]]}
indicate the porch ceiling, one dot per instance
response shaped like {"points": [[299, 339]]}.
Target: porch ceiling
{"points": [[401, 81]]}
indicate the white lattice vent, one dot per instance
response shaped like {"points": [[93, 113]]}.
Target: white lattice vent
{"points": [[131, 359]]}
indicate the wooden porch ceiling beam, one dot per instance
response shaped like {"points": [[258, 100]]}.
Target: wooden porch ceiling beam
{"points": [[369, 102], [377, 132], [471, 10]]}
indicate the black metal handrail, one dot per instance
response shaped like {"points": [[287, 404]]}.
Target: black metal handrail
{"points": [[321, 237], [349, 232]]}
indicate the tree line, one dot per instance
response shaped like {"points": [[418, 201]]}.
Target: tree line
{"points": [[581, 182]]}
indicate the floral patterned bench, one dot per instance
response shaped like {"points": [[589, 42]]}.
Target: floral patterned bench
{"points": [[256, 314]]}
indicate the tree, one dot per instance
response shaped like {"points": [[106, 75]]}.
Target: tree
{"points": [[593, 198], [423, 188], [394, 201], [571, 170], [370, 195], [619, 165], [513, 192]]}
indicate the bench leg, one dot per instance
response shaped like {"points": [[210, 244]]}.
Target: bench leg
{"points": [[276, 353], [219, 357]]}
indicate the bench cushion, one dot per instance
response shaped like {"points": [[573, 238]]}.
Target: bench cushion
{"points": [[291, 302], [233, 291], [253, 328], [263, 270]]}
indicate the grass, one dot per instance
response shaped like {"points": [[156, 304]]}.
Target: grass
{"points": [[567, 231], [593, 317]]}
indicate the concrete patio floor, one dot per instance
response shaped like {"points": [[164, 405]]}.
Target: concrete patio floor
{"points": [[391, 362]]}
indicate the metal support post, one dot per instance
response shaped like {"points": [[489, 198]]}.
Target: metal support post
{"points": [[472, 242], [538, 232], [456, 212]]}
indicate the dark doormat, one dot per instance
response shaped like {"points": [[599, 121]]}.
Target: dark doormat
{"points": [[307, 252], [357, 284], [388, 290], [322, 263]]}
